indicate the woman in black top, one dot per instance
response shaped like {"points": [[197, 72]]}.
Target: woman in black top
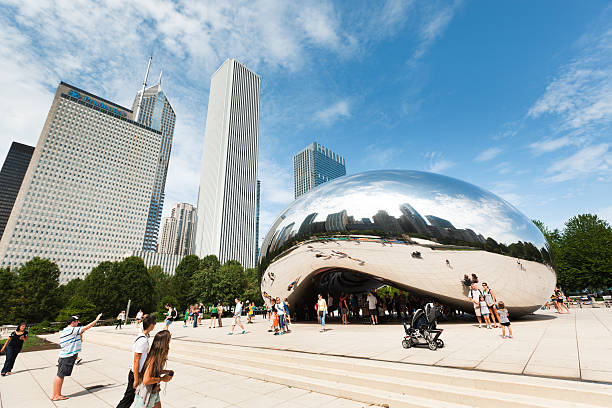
{"points": [[13, 346]]}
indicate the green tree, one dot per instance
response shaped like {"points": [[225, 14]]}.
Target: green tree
{"points": [[78, 306], [585, 254], [161, 283], [232, 281], [94, 287], [181, 281], [135, 285], [73, 287], [210, 261], [8, 284], [253, 289], [37, 291]]}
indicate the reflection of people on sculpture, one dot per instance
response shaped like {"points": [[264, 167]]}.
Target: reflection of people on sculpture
{"points": [[416, 254], [474, 278], [467, 282]]}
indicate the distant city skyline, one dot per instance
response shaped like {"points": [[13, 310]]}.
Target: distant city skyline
{"points": [[227, 201], [315, 165], [394, 85], [178, 231]]}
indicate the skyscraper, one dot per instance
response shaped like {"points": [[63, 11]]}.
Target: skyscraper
{"points": [[257, 223], [11, 176], [178, 231], [228, 179], [156, 112], [86, 194], [315, 165]]}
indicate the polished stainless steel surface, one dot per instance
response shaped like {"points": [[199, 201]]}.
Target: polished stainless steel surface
{"points": [[412, 210]]}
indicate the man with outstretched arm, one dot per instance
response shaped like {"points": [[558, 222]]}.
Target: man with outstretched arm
{"points": [[70, 343], [141, 348]]}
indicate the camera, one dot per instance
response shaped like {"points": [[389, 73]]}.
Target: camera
{"points": [[171, 373]]}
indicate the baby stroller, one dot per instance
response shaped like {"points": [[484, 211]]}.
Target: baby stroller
{"points": [[422, 331]]}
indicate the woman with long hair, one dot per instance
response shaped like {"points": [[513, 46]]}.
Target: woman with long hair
{"points": [[153, 373], [13, 346]]}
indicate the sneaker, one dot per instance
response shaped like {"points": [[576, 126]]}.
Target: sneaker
{"points": [[230, 333], [79, 361], [510, 337], [244, 332], [480, 326], [3, 374]]}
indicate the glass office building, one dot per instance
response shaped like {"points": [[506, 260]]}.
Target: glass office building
{"points": [[315, 165], [12, 173], [86, 195], [156, 113], [178, 231]]}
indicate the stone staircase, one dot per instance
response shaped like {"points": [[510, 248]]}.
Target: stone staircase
{"points": [[382, 383]]}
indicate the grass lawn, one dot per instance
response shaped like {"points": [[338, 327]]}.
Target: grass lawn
{"points": [[35, 343]]}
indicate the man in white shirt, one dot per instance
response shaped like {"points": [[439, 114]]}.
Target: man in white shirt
{"points": [[237, 314], [372, 307], [141, 348], [474, 295], [70, 343]]}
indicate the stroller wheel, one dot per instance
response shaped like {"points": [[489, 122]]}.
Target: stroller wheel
{"points": [[440, 343], [406, 344], [433, 346]]}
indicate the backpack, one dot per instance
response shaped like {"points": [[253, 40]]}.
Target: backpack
{"points": [[472, 291], [174, 313]]}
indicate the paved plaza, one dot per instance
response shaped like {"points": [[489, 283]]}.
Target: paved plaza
{"points": [[214, 369]]}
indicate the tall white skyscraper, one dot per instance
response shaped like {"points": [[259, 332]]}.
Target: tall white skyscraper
{"points": [[86, 195], [178, 231], [154, 111], [227, 198]]}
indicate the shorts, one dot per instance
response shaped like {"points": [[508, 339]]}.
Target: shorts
{"points": [[169, 322], [344, 311], [485, 314], [477, 310], [506, 324], [139, 403], [213, 315], [372, 311], [237, 319], [65, 366]]}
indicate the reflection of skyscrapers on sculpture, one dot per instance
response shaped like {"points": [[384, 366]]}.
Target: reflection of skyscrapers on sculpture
{"points": [[156, 112], [227, 199], [86, 195], [178, 231], [314, 166], [361, 231]]}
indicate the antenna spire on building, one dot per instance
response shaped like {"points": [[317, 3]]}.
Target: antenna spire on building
{"points": [[144, 85], [160, 76]]}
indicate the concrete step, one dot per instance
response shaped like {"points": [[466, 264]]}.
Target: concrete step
{"points": [[461, 391], [562, 390], [395, 384]]}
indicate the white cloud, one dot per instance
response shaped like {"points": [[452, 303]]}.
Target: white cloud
{"points": [[437, 18], [338, 110], [488, 154], [377, 156], [595, 159], [606, 214], [550, 145], [437, 164]]}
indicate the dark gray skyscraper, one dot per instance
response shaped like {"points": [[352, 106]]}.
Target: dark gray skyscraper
{"points": [[12, 173], [315, 165]]}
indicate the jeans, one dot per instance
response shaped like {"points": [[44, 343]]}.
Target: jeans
{"points": [[281, 321], [130, 392], [9, 362], [119, 323], [323, 318]]}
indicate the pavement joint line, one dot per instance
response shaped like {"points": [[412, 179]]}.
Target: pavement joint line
{"points": [[534, 350], [574, 379], [577, 344]]}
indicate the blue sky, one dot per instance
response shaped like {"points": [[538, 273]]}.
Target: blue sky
{"points": [[515, 97]]}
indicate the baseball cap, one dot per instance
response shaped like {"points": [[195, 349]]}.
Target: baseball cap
{"points": [[72, 319]]}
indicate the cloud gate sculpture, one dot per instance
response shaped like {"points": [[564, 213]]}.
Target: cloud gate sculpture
{"points": [[417, 231]]}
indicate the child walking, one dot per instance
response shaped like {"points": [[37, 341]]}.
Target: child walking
{"points": [[503, 319], [484, 310], [275, 323]]}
